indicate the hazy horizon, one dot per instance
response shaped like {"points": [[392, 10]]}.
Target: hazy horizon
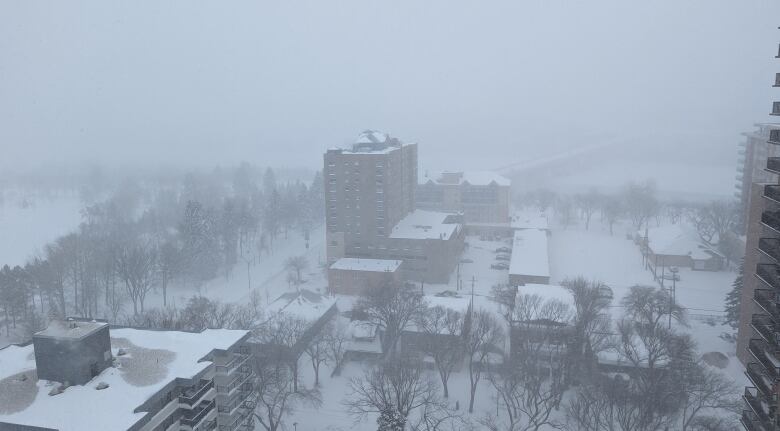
{"points": [[477, 85]]}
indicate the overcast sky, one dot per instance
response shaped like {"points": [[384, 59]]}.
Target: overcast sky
{"points": [[476, 83]]}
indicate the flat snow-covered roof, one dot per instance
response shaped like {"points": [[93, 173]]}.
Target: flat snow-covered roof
{"points": [[370, 265], [475, 178], [677, 239], [530, 221], [303, 304], [70, 328], [529, 253], [154, 359], [421, 224]]}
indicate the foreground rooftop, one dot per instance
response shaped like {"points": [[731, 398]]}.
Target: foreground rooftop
{"points": [[152, 360]]}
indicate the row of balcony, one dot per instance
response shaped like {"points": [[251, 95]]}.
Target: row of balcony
{"points": [[757, 416], [237, 360], [775, 108], [756, 374], [192, 418], [191, 397], [769, 273], [758, 349], [771, 219], [767, 300]]}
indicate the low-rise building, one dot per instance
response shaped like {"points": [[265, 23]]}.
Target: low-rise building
{"points": [[677, 245], [482, 197], [158, 380], [353, 276], [529, 263]]}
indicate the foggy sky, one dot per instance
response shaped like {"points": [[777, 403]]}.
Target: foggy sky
{"points": [[476, 83]]}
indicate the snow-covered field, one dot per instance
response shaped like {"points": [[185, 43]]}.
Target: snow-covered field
{"points": [[29, 223]]}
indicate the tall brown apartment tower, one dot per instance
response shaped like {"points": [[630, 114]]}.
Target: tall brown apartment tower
{"points": [[369, 188], [758, 339], [752, 155]]}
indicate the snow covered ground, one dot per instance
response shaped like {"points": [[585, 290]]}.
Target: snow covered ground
{"points": [[27, 223]]}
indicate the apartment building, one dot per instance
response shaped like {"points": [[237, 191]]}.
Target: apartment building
{"points": [[752, 156], [758, 339], [369, 188], [136, 379], [370, 214], [482, 197]]}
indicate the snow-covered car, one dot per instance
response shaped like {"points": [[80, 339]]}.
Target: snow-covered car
{"points": [[503, 250], [500, 265], [504, 257], [466, 261]]}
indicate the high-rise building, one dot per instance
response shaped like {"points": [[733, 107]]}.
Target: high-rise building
{"points": [[758, 339], [370, 214], [752, 155], [369, 188]]}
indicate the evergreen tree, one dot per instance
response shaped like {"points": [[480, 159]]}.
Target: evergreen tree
{"points": [[390, 420], [732, 298]]}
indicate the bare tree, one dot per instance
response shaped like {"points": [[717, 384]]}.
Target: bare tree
{"points": [[136, 264], [705, 391], [336, 339], [281, 335], [649, 305], [396, 385], [588, 203], [591, 321], [485, 338], [442, 328], [277, 393], [640, 202], [391, 308], [529, 398], [317, 351], [296, 265], [611, 211]]}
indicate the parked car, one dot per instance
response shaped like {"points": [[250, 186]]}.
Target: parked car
{"points": [[500, 265], [466, 261], [503, 250], [504, 257]]}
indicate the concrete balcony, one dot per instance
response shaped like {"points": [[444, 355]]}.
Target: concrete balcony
{"points": [[777, 80], [768, 273], [767, 329], [774, 137], [759, 409], [192, 418], [770, 247], [772, 192], [775, 108], [194, 395], [766, 299], [771, 219], [759, 349], [755, 373], [773, 165]]}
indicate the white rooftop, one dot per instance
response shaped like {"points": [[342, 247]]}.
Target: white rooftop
{"points": [[530, 221], [371, 265], [303, 304], [421, 224], [458, 303], [70, 328], [529, 253], [475, 178], [371, 137], [153, 359], [677, 239]]}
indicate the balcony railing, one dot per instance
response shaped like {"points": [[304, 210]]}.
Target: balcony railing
{"points": [[775, 108], [757, 349], [757, 407], [193, 417], [773, 164], [756, 374], [770, 247], [767, 300], [774, 136], [772, 191], [749, 421], [771, 219], [237, 360], [192, 398], [768, 273], [766, 328]]}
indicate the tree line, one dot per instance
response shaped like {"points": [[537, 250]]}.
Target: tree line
{"points": [[146, 237]]}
